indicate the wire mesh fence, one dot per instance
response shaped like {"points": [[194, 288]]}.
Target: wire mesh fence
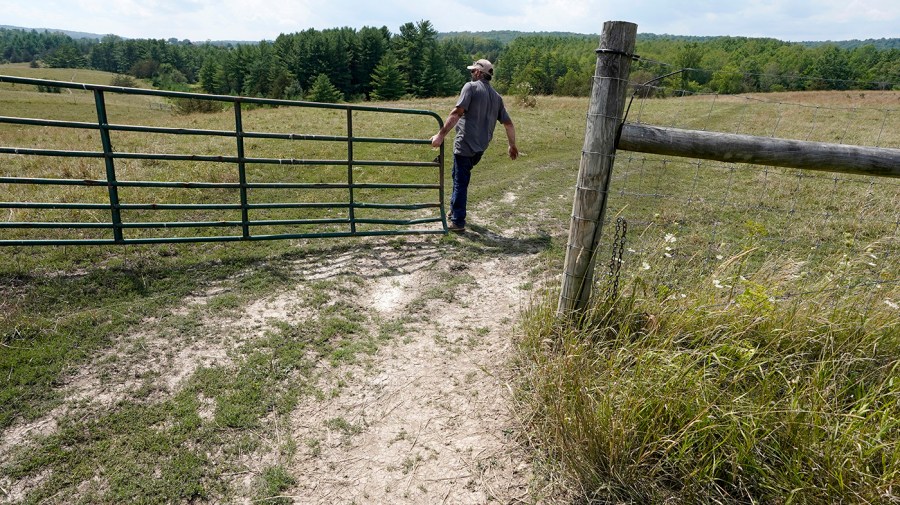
{"points": [[784, 234]]}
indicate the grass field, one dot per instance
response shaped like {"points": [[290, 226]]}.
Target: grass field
{"points": [[749, 357], [750, 353]]}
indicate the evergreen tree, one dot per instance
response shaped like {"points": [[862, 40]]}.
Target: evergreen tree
{"points": [[337, 59], [208, 76], [373, 44], [323, 91], [420, 61], [66, 57], [409, 53], [388, 82], [456, 59]]}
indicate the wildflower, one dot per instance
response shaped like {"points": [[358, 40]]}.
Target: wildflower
{"points": [[667, 255], [645, 266], [670, 238], [720, 257], [717, 284], [892, 304]]}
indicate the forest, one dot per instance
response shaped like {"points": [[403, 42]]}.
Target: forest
{"points": [[348, 64]]}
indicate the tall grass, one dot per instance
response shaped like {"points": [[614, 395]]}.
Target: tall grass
{"points": [[752, 353], [718, 398]]}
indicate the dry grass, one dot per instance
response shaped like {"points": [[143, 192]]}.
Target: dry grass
{"points": [[751, 356]]}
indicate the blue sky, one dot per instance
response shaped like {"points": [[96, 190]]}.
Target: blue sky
{"points": [[254, 20]]}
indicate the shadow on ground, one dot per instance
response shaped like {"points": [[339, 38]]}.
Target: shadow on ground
{"points": [[497, 243]]}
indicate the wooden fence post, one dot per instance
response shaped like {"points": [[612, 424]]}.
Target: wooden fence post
{"points": [[608, 97]]}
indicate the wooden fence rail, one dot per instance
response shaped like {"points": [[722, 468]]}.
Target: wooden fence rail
{"points": [[732, 148]]}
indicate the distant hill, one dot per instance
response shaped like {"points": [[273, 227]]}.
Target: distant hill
{"points": [[853, 44], [97, 36], [74, 35], [880, 44], [506, 36]]}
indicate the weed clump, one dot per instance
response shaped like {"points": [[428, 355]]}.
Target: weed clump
{"points": [[729, 394], [185, 106]]}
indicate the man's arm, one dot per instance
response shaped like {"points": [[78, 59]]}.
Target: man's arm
{"points": [[455, 115], [513, 151]]}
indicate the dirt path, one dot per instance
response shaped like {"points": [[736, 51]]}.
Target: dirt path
{"points": [[426, 419], [430, 421]]}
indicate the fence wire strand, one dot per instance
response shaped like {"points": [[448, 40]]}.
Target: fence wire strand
{"points": [[842, 228]]}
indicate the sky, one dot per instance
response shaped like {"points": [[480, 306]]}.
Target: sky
{"points": [[255, 20]]}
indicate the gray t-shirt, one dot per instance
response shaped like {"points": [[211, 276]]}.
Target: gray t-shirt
{"points": [[483, 109]]}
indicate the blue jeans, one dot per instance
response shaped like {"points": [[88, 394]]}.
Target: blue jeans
{"points": [[462, 172]]}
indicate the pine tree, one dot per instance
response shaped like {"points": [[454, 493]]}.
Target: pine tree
{"points": [[388, 82], [323, 91], [66, 57]]}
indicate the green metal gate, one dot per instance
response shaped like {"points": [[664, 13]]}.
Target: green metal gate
{"points": [[369, 206]]}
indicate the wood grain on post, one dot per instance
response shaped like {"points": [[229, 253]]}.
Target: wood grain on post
{"points": [[617, 42]]}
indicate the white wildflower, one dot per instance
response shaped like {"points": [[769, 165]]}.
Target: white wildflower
{"points": [[892, 304], [720, 257], [645, 266], [717, 284], [670, 238]]}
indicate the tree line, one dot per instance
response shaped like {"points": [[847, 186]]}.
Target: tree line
{"points": [[347, 64], [564, 65]]}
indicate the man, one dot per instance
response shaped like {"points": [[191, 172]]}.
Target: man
{"points": [[475, 115]]}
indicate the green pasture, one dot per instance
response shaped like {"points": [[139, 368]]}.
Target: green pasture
{"points": [[748, 355], [744, 346]]}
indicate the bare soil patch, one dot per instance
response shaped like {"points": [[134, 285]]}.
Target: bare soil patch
{"points": [[426, 419], [429, 421]]}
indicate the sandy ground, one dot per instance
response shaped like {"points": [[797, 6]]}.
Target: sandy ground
{"points": [[434, 411], [427, 419]]}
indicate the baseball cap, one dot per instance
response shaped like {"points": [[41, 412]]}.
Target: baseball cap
{"points": [[483, 65]]}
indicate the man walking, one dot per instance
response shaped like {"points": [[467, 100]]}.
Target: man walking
{"points": [[475, 115]]}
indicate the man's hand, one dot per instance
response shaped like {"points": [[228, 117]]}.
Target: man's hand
{"points": [[437, 140], [513, 151]]}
